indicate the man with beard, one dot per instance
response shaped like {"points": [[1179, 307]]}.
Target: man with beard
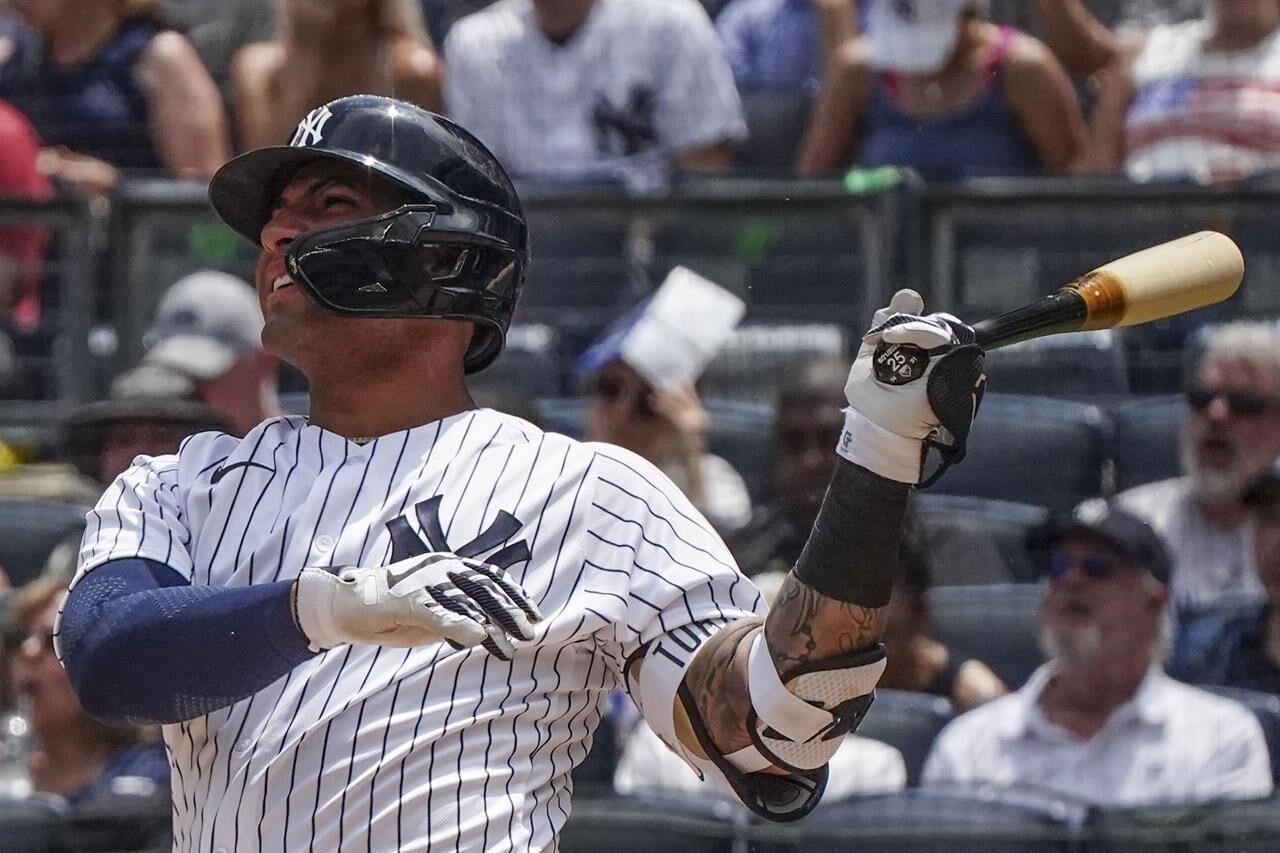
{"points": [[1232, 433], [808, 420], [1241, 648], [1101, 722]]}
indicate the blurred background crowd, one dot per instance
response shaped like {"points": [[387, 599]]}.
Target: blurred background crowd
{"points": [[1084, 640]]}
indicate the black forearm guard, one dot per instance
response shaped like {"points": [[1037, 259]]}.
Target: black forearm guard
{"points": [[852, 552]]}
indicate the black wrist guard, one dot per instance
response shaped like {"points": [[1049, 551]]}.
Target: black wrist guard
{"points": [[852, 551]]}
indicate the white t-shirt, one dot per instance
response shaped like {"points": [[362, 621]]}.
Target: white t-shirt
{"points": [[860, 766], [1170, 743], [405, 749], [1211, 567], [728, 500], [1202, 115], [640, 81]]}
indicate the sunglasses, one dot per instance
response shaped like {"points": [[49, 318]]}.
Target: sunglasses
{"points": [[1241, 403], [610, 389], [1096, 567]]}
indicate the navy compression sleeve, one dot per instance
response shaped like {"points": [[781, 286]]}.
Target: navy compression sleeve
{"points": [[142, 645]]}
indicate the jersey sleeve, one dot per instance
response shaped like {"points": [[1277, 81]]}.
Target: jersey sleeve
{"points": [[139, 515], [672, 577], [699, 103]]}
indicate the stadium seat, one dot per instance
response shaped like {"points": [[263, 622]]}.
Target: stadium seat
{"points": [[29, 531], [776, 120], [760, 358], [643, 824], [998, 624], [1145, 439], [530, 363], [1076, 366], [908, 722], [1266, 707], [924, 821], [1033, 450], [740, 432], [33, 825], [1225, 827], [118, 822], [977, 540]]}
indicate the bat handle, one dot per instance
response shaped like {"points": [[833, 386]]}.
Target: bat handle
{"points": [[1064, 310]]}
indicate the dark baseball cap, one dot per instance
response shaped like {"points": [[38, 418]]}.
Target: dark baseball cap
{"points": [[1263, 491], [1128, 534]]}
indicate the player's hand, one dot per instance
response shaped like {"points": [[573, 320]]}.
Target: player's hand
{"points": [[916, 379], [415, 601]]}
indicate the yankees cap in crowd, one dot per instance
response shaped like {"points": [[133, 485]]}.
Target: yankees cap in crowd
{"points": [[204, 322], [1127, 533], [913, 36], [669, 338]]}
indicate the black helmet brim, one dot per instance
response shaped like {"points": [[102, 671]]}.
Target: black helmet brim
{"points": [[245, 188]]}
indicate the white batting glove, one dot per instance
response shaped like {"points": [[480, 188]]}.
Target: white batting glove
{"points": [[415, 601], [916, 382]]}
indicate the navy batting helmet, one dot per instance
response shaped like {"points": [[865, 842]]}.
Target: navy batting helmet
{"points": [[457, 249]]}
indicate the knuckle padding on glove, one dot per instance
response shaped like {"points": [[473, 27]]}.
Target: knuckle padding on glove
{"points": [[955, 389]]}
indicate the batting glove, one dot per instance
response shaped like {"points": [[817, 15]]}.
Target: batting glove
{"points": [[915, 383], [415, 601]]}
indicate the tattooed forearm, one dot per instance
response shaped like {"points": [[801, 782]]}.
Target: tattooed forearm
{"points": [[806, 626], [717, 680]]}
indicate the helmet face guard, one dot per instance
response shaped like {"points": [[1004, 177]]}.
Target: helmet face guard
{"points": [[415, 261]]}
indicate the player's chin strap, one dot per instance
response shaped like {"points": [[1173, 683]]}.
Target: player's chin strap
{"points": [[795, 729]]}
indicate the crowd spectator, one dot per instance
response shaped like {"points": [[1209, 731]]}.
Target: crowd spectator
{"points": [[783, 44], [1101, 722], [917, 661], [22, 247], [1194, 101], [1237, 647], [112, 88], [807, 424], [668, 427], [77, 758], [325, 50], [208, 329], [934, 86], [219, 28], [614, 91], [1232, 433], [1073, 29], [860, 766]]}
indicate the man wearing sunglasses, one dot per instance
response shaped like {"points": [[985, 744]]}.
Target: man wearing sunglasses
{"points": [[1239, 647], [1101, 722], [1232, 433]]}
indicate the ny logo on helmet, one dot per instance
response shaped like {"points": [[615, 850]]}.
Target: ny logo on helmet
{"points": [[310, 128]]}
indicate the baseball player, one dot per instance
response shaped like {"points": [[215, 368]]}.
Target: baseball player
{"points": [[393, 625]]}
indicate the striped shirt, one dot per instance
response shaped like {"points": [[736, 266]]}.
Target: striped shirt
{"points": [[370, 748], [640, 81], [1199, 114]]}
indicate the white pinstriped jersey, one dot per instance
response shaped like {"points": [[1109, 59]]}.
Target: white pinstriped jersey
{"points": [[370, 748], [638, 82]]}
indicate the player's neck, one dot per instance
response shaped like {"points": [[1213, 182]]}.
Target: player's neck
{"points": [[379, 407]]}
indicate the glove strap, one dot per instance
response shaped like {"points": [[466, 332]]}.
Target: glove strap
{"points": [[871, 446]]}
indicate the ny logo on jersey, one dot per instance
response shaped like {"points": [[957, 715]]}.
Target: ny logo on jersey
{"points": [[310, 128], [406, 543]]}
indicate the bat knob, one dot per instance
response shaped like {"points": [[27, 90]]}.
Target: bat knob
{"points": [[898, 364]]}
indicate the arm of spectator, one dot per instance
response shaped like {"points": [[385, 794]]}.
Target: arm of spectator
{"points": [[1079, 40], [419, 74], [188, 124], [837, 23], [259, 119], [837, 116], [1041, 95], [975, 684], [1105, 152]]}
